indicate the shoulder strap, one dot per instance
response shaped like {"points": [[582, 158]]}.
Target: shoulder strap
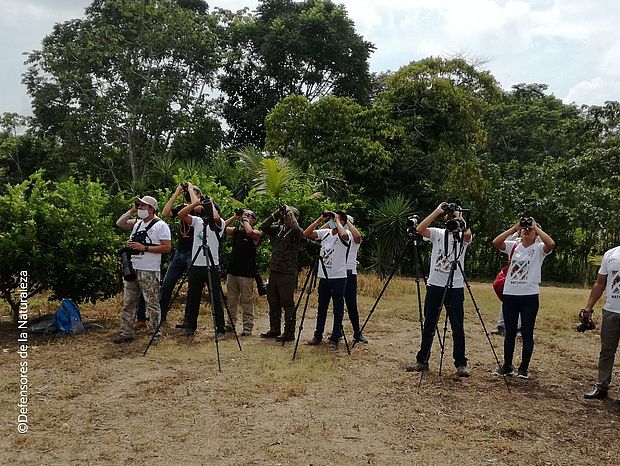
{"points": [[151, 224], [513, 251]]}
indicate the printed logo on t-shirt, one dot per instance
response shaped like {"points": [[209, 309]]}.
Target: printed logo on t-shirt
{"points": [[442, 263], [519, 271], [615, 284], [327, 257]]}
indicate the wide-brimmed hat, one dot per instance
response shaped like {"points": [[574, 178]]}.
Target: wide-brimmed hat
{"points": [[148, 200]]}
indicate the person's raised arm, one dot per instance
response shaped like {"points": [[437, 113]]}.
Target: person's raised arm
{"points": [[498, 242], [249, 229], [309, 232], [355, 233], [344, 236], [422, 228], [167, 210], [125, 222], [184, 213], [549, 244]]}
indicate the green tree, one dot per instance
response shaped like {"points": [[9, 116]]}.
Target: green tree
{"points": [[309, 48], [126, 84], [63, 235]]}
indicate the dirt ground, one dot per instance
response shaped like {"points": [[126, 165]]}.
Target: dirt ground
{"points": [[94, 402]]}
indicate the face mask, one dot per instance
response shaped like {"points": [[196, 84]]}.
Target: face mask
{"points": [[143, 213], [331, 224]]}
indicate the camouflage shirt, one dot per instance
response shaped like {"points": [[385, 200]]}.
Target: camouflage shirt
{"points": [[284, 245]]}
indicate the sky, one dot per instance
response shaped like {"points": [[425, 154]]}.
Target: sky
{"points": [[573, 46]]}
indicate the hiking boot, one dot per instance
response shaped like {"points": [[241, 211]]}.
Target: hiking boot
{"points": [[122, 339], [522, 374], [139, 325], [314, 342], [219, 336], [359, 338], [504, 370], [187, 332], [462, 371], [272, 333], [417, 367], [333, 344], [286, 337]]}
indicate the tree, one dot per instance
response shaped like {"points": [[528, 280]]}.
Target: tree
{"points": [[62, 235], [308, 48], [126, 83]]}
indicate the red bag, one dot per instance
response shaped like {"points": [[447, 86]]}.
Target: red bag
{"points": [[500, 278]]}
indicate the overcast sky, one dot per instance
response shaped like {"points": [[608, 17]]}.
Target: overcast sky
{"points": [[571, 45]]}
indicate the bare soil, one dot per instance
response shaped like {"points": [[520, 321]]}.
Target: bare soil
{"points": [[94, 402]]}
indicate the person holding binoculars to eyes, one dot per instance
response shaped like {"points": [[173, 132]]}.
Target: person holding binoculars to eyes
{"points": [[521, 288]]}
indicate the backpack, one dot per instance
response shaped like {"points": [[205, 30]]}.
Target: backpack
{"points": [[68, 317]]}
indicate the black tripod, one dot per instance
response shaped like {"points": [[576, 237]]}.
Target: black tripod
{"points": [[206, 252], [308, 288], [457, 251], [413, 241]]}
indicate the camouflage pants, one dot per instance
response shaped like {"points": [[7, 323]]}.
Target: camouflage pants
{"points": [[146, 283]]}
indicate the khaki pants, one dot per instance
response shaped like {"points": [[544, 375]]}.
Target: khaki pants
{"points": [[240, 291], [610, 334], [146, 283]]}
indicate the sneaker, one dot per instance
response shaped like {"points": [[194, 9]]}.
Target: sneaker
{"points": [[417, 367], [219, 336], [187, 332], [462, 371], [499, 330], [314, 342], [359, 338], [504, 370], [596, 394], [270, 334], [139, 325], [122, 339], [522, 374], [333, 344]]}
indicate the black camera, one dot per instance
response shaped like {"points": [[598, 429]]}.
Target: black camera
{"points": [[185, 186], [282, 210], [449, 207], [129, 273], [413, 221], [585, 322], [526, 222], [329, 215], [456, 224], [239, 212], [313, 247]]}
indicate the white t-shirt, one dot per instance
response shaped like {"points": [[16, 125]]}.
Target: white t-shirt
{"points": [[441, 262], [352, 260], [150, 261], [212, 241], [610, 266], [333, 254], [524, 271]]}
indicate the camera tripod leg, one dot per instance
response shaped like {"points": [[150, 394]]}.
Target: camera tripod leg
{"points": [[385, 285], [346, 343], [484, 327], [313, 281], [300, 297]]}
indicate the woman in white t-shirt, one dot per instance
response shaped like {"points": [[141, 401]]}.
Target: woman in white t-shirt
{"points": [[521, 289]]}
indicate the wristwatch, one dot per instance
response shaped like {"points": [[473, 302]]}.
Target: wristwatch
{"points": [[146, 248]]}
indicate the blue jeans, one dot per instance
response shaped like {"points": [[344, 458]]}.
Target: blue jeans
{"points": [[525, 307], [350, 298], [454, 307], [177, 267], [332, 288]]}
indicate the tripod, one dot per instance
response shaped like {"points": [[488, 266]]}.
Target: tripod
{"points": [[414, 240], [309, 285], [457, 251], [205, 249]]}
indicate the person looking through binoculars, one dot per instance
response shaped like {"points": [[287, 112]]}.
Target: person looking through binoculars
{"points": [[332, 271], [285, 239], [205, 269], [242, 268], [445, 283], [150, 238], [521, 288], [350, 292]]}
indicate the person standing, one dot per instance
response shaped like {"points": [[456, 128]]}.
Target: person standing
{"points": [[242, 269], [448, 247], [350, 292], [607, 280], [285, 239], [332, 272], [150, 238], [522, 289]]}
